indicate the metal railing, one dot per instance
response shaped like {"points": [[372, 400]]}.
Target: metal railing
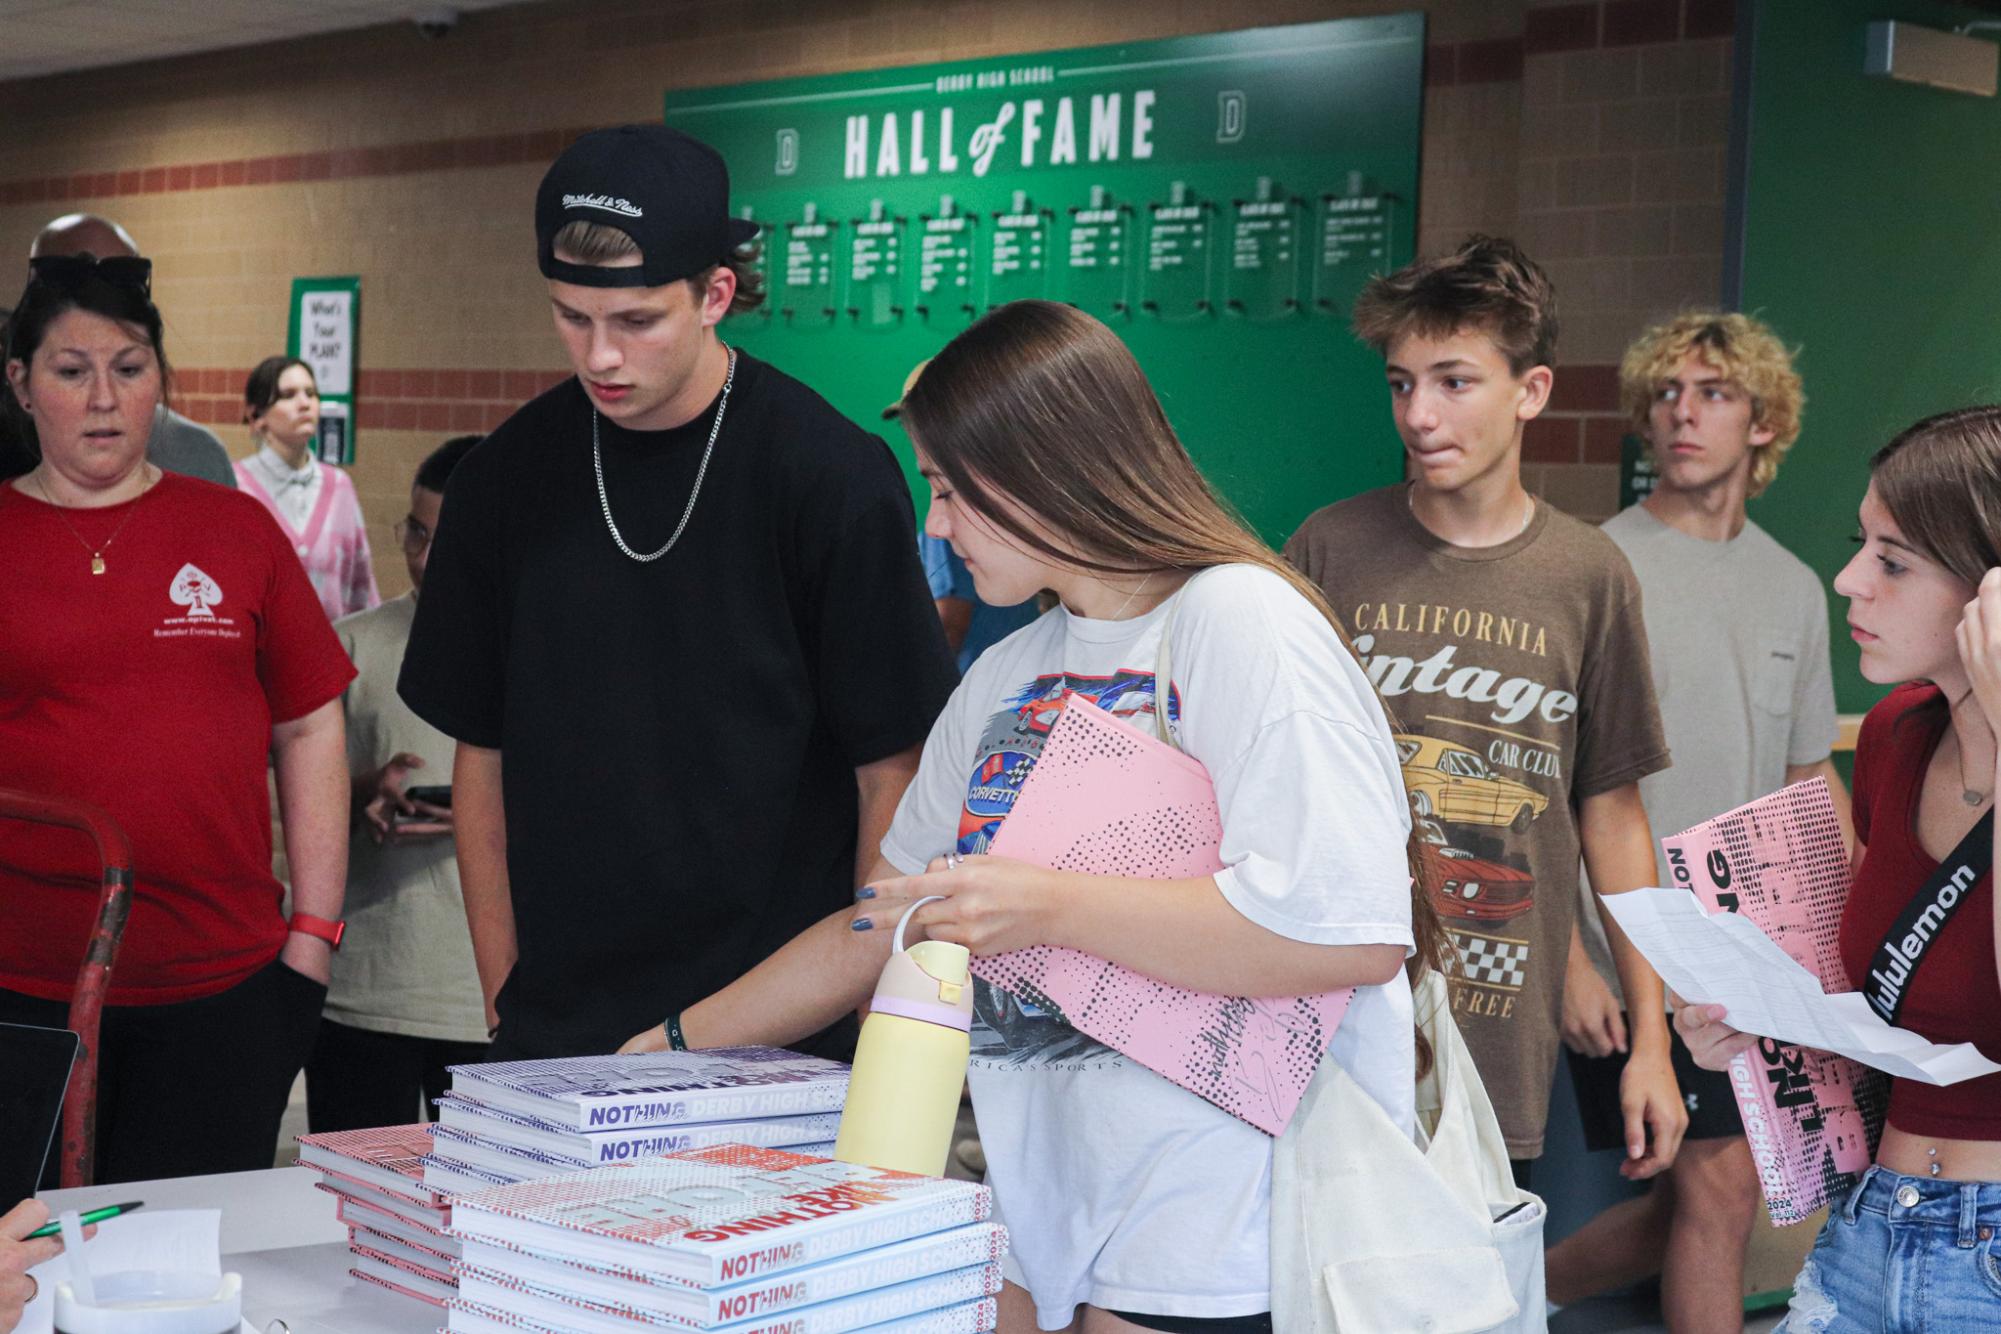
{"points": [[93, 978]]}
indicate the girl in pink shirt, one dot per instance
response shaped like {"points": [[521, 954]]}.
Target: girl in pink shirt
{"points": [[314, 502]]}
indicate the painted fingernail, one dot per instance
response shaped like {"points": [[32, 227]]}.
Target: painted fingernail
{"points": [[865, 892], [861, 924]]}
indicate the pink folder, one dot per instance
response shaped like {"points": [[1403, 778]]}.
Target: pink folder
{"points": [[1108, 799], [1812, 1118]]}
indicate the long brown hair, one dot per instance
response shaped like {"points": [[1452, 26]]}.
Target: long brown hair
{"points": [[1940, 478], [1044, 404]]}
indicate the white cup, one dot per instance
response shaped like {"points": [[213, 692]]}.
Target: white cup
{"points": [[153, 1301]]}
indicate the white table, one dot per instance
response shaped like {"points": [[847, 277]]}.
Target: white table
{"points": [[280, 1233]]}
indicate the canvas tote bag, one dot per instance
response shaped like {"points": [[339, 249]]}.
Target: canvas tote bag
{"points": [[1373, 1232]]}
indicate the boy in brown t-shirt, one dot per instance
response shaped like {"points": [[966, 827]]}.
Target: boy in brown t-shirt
{"points": [[1506, 638]]}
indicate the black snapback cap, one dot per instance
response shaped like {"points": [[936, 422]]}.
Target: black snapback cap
{"points": [[668, 192]]}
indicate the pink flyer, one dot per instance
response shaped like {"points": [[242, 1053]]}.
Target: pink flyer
{"points": [[1106, 798], [1812, 1118]]}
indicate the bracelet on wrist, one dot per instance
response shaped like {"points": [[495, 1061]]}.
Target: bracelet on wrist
{"points": [[676, 1040], [329, 929]]}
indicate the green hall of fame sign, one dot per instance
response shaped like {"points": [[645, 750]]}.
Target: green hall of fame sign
{"points": [[1218, 200]]}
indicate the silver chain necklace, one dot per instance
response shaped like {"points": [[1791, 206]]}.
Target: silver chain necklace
{"points": [[604, 501]]}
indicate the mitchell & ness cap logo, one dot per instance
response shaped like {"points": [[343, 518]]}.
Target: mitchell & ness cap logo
{"points": [[609, 203], [668, 192]]}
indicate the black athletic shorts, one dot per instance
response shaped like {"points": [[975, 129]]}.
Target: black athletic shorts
{"points": [[1712, 1106]]}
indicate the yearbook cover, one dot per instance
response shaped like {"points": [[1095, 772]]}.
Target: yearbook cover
{"points": [[518, 1130], [1812, 1118], [972, 1317], [404, 1278], [344, 1189], [862, 1310], [663, 1088], [360, 1214], [388, 1158], [1108, 799], [880, 1267], [709, 1217]]}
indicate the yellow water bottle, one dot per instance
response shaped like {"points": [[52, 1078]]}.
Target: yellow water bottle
{"points": [[903, 1098]]}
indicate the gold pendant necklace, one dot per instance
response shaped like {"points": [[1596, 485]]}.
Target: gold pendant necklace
{"points": [[97, 565]]}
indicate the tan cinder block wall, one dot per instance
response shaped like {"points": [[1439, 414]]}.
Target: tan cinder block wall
{"points": [[413, 163]]}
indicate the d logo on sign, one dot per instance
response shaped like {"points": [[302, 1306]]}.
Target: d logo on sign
{"points": [[1229, 117]]}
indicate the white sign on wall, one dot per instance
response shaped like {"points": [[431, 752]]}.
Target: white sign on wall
{"points": [[324, 328]]}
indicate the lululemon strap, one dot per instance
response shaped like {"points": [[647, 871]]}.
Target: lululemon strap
{"points": [[1910, 937]]}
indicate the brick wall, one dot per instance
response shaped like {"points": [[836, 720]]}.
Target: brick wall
{"points": [[1594, 131], [1625, 122]]}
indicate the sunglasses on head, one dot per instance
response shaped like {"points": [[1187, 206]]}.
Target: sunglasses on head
{"points": [[69, 272]]}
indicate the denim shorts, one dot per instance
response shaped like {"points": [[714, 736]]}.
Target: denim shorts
{"points": [[1904, 1254]]}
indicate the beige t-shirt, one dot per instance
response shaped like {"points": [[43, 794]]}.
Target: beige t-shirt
{"points": [[1519, 679], [405, 965], [1738, 631]]}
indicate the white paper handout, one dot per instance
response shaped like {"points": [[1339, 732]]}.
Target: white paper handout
{"points": [[1724, 959]]}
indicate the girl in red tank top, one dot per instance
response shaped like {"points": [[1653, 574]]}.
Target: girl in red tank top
{"points": [[1915, 1245]]}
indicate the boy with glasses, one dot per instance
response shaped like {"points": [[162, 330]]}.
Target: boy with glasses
{"points": [[404, 1002], [1738, 632]]}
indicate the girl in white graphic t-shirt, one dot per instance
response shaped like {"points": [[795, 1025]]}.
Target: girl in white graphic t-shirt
{"points": [[1131, 1202]]}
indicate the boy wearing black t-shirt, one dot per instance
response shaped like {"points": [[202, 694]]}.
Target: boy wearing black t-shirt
{"points": [[674, 620]]}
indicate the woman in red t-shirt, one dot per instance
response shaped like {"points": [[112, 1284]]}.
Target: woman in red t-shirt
{"points": [[158, 640], [1915, 1244]]}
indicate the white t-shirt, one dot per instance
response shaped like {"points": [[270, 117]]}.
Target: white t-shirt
{"points": [[1120, 1188]]}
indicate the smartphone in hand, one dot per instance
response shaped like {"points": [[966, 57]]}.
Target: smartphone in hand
{"points": [[433, 816]]}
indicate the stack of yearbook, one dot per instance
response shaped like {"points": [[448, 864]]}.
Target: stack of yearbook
{"points": [[516, 1121], [395, 1223], [734, 1239]]}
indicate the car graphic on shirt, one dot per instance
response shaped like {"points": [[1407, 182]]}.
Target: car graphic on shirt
{"points": [[1467, 887], [1125, 696], [1014, 735], [1451, 783], [1036, 717]]}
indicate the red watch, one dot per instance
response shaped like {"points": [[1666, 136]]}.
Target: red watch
{"points": [[325, 928]]}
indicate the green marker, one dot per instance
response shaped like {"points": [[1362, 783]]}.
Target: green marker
{"points": [[94, 1216]]}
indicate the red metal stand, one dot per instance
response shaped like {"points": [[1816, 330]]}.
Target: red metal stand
{"points": [[93, 979]]}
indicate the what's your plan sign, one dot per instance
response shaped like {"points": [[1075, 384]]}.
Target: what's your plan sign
{"points": [[324, 326]]}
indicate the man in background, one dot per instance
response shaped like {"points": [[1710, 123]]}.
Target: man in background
{"points": [[404, 1002], [1737, 632]]}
